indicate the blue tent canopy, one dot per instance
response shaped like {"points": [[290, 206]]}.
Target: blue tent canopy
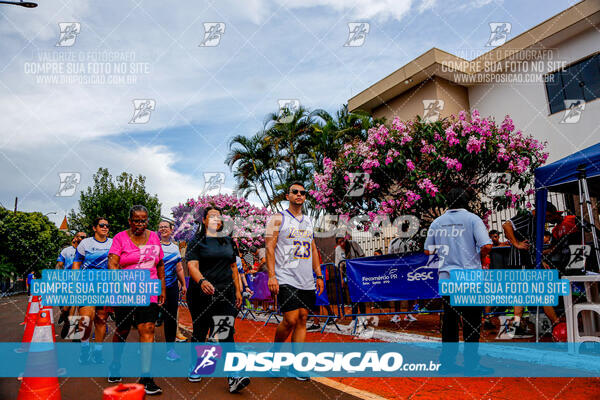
{"points": [[562, 176]]}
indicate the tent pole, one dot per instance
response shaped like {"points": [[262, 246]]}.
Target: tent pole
{"points": [[584, 197]]}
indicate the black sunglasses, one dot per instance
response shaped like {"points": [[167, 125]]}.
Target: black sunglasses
{"points": [[296, 191], [103, 226]]}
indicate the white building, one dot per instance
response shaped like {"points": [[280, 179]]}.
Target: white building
{"points": [[514, 78]]}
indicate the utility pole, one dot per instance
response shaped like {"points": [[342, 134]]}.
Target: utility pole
{"points": [[16, 202]]}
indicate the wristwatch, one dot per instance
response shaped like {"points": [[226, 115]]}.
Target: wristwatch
{"points": [[200, 281], [320, 277]]}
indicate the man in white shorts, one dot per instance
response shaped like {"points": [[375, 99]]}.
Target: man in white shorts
{"points": [[291, 260]]}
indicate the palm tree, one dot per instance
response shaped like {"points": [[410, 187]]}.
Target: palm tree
{"points": [[291, 147], [246, 154]]}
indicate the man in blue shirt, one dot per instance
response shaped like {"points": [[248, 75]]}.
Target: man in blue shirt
{"points": [[67, 255], [461, 240]]}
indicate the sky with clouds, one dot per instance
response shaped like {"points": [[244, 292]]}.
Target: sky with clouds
{"points": [[69, 108]]}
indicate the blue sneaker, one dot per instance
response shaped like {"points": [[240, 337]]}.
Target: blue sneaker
{"points": [[172, 355]]}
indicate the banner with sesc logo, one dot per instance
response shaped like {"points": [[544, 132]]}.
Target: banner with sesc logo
{"points": [[393, 277]]}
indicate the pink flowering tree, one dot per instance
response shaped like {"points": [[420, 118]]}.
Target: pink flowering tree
{"points": [[409, 167], [244, 221]]}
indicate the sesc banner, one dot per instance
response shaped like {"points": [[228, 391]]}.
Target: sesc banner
{"points": [[392, 277]]}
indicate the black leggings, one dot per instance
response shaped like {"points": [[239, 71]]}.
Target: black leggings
{"points": [[169, 312], [215, 314]]}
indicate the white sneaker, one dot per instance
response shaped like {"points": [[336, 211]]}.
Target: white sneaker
{"points": [[410, 317], [395, 319]]}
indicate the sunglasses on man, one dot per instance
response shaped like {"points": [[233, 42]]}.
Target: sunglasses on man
{"points": [[103, 225], [296, 191]]}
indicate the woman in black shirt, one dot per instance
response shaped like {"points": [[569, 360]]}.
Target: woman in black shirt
{"points": [[214, 294]]}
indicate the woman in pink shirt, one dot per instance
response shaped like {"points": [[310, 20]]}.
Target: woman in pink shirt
{"points": [[137, 248]]}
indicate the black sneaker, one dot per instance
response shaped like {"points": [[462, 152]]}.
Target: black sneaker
{"points": [[314, 327], [237, 384], [114, 372], [150, 387], [521, 332]]}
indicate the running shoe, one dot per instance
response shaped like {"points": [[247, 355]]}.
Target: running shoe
{"points": [[97, 357], [179, 337], [395, 319], [521, 332], [410, 317], [237, 384], [314, 327], [302, 378], [172, 355], [84, 355], [193, 377], [114, 374], [150, 387]]}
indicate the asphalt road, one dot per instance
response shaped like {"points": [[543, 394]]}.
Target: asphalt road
{"points": [[12, 311]]}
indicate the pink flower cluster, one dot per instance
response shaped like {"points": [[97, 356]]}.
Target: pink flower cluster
{"points": [[451, 137], [475, 145], [463, 143], [452, 163], [428, 148], [411, 199], [248, 220], [428, 186]]}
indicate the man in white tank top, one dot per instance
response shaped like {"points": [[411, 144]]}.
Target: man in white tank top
{"points": [[291, 260]]}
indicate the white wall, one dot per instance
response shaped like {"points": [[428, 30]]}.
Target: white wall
{"points": [[526, 103]]}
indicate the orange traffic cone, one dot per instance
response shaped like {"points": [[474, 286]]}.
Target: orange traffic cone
{"points": [[30, 319], [51, 312], [127, 391], [28, 307], [41, 359]]}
